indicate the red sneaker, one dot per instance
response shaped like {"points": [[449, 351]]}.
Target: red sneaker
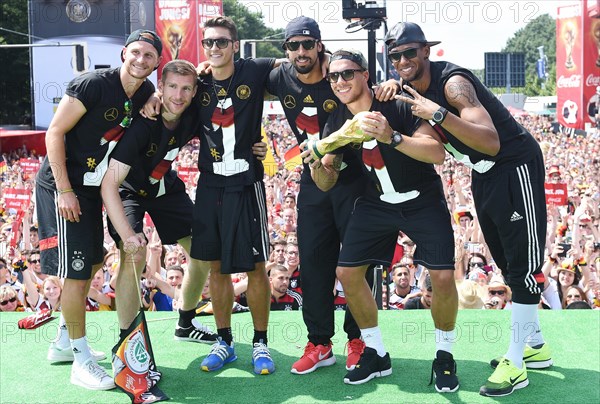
{"points": [[355, 348], [314, 357]]}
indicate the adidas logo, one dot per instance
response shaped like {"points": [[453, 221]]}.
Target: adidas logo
{"points": [[515, 216], [76, 351], [254, 251], [222, 92], [308, 99]]}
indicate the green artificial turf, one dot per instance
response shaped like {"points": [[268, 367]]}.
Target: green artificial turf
{"points": [[574, 337]]}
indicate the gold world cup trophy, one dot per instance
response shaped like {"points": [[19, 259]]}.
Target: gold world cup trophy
{"points": [[175, 38], [568, 37], [349, 133]]}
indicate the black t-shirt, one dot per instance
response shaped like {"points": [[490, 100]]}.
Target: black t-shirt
{"points": [[517, 146], [149, 148], [230, 123], [307, 108], [89, 143], [290, 301], [395, 175]]}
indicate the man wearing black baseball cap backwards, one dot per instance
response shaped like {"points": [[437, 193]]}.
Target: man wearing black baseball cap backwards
{"points": [[90, 119], [308, 102], [405, 194], [508, 185]]}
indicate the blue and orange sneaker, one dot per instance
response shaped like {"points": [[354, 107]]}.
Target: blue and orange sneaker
{"points": [[220, 355], [261, 359]]}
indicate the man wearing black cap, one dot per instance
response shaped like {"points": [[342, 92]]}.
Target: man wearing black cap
{"points": [[308, 101], [88, 123], [508, 184], [405, 195]]}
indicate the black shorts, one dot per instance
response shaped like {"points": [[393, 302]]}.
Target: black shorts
{"points": [[171, 213], [69, 249], [230, 225], [373, 231]]}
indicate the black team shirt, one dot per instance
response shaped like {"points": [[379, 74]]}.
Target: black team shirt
{"points": [[89, 143]]}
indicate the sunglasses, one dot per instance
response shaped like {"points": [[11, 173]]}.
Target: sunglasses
{"points": [[408, 54], [307, 44], [11, 300], [476, 264], [34, 261], [222, 43], [496, 292], [126, 122], [346, 75]]}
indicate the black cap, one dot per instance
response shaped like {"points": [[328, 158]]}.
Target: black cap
{"points": [[353, 55], [138, 36], [406, 32], [302, 25]]}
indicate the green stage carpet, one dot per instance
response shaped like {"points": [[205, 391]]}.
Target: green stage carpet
{"points": [[574, 337]]}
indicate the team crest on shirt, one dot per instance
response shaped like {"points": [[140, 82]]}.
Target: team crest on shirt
{"points": [[329, 105], [288, 307], [205, 99], [289, 102], [243, 92], [293, 284], [111, 114]]}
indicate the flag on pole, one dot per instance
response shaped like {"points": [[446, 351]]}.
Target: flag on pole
{"points": [[133, 364]]}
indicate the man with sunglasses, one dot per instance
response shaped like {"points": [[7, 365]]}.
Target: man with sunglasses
{"points": [[229, 230], [88, 123], [405, 194], [507, 182], [308, 101]]}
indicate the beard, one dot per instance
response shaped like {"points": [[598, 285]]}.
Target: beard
{"points": [[303, 69]]}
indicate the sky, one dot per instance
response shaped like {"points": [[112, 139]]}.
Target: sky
{"points": [[466, 28]]}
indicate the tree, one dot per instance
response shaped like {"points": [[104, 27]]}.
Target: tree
{"points": [[15, 97], [539, 32], [250, 25]]}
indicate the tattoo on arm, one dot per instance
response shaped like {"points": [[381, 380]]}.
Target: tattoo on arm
{"points": [[462, 91]]}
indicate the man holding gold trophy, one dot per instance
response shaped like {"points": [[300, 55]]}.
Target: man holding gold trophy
{"points": [[405, 194]]}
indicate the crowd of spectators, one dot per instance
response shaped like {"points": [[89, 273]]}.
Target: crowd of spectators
{"points": [[571, 265]]}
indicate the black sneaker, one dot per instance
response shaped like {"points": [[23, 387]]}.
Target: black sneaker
{"points": [[369, 366], [444, 371], [196, 333]]}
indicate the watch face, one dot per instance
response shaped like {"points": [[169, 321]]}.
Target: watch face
{"points": [[438, 116]]}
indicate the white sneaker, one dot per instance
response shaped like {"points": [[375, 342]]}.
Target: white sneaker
{"points": [[57, 354], [91, 376]]}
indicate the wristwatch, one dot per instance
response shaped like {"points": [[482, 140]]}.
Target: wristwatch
{"points": [[439, 115], [396, 139]]}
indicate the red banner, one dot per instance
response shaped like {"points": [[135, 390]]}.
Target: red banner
{"points": [[556, 194], [29, 166], [577, 66], [188, 174], [16, 198], [178, 24]]}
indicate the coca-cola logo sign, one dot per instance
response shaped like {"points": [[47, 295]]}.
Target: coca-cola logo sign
{"points": [[572, 81], [592, 81]]}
